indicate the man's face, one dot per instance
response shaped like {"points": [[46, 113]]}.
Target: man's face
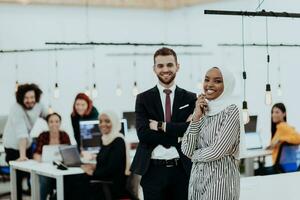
{"points": [[165, 68], [29, 100]]}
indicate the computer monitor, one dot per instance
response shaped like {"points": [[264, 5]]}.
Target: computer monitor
{"points": [[3, 120], [130, 116], [124, 127], [252, 137], [90, 135]]}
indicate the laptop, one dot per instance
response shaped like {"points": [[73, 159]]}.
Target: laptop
{"points": [[51, 153], [90, 136], [70, 156], [252, 137]]}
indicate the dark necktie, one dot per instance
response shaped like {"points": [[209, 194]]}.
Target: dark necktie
{"points": [[168, 105]]}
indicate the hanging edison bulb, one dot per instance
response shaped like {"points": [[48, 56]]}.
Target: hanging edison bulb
{"points": [[56, 91], [87, 91], [16, 86], [94, 91], [119, 90], [246, 117], [135, 89], [279, 90], [50, 109], [200, 85], [268, 95]]}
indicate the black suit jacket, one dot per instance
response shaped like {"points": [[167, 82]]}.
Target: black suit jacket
{"points": [[149, 106]]}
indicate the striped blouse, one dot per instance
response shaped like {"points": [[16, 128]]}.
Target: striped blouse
{"points": [[213, 145]]}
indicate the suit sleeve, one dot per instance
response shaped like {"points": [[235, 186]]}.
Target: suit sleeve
{"points": [[145, 134]]}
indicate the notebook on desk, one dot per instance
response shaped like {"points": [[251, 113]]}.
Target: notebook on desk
{"points": [[252, 137]]}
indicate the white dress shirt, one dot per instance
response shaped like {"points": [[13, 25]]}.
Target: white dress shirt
{"points": [[160, 152]]}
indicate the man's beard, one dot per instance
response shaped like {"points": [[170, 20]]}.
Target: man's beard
{"points": [[166, 82]]}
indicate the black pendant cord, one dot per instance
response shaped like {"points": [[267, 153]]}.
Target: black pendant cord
{"points": [[268, 54], [244, 68]]}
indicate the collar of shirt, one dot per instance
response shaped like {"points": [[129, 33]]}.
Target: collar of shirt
{"points": [[161, 88]]}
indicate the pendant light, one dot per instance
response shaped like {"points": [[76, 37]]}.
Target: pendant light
{"points": [[246, 117], [17, 75], [268, 93], [94, 90], [56, 92], [279, 88], [135, 89]]}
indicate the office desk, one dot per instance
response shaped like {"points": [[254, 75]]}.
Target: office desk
{"points": [[275, 187], [45, 169], [249, 156]]}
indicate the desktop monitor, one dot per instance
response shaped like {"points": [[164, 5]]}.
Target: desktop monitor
{"points": [[252, 137], [90, 135], [130, 117], [3, 120], [124, 127]]}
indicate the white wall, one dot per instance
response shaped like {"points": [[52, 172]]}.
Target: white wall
{"points": [[27, 26]]}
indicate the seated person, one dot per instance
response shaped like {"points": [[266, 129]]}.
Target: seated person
{"points": [[52, 137], [282, 132], [112, 162]]}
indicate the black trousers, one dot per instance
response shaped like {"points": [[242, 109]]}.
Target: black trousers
{"points": [[165, 183], [13, 154]]}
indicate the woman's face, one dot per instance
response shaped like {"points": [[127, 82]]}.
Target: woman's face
{"points": [[213, 84], [277, 115], [105, 124], [81, 106], [54, 123]]}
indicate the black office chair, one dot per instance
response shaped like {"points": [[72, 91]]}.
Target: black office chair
{"points": [[105, 186]]}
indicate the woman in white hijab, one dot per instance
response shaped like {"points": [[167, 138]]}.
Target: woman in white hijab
{"points": [[212, 140], [112, 159]]}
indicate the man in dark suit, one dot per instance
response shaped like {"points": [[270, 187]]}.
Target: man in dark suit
{"points": [[162, 115]]}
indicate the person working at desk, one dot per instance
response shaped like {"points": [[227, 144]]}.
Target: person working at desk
{"points": [[281, 132], [83, 109], [52, 137], [112, 162], [21, 119]]}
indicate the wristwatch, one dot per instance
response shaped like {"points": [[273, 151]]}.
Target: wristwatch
{"points": [[160, 126]]}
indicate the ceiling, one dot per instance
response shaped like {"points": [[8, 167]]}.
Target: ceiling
{"points": [[149, 4]]}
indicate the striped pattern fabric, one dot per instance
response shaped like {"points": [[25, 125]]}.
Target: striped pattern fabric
{"points": [[213, 145]]}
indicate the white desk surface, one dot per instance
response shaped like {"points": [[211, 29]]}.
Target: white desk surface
{"points": [[256, 153], [275, 187], [46, 169]]}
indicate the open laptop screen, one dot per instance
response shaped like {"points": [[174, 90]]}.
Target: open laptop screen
{"points": [[253, 140]]}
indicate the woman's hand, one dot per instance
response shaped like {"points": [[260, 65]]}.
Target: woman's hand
{"points": [[200, 107], [88, 168], [22, 158]]}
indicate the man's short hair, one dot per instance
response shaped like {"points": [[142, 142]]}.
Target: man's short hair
{"points": [[164, 51], [23, 89]]}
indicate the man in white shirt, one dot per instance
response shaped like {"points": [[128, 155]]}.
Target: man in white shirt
{"points": [[21, 119], [161, 120]]}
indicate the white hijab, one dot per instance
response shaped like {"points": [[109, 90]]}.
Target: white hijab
{"points": [[115, 133], [226, 99]]}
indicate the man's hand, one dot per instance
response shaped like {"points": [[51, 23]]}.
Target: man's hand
{"points": [[153, 124], [88, 168]]}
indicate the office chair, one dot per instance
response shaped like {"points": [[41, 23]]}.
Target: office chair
{"points": [[105, 186], [288, 159]]}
